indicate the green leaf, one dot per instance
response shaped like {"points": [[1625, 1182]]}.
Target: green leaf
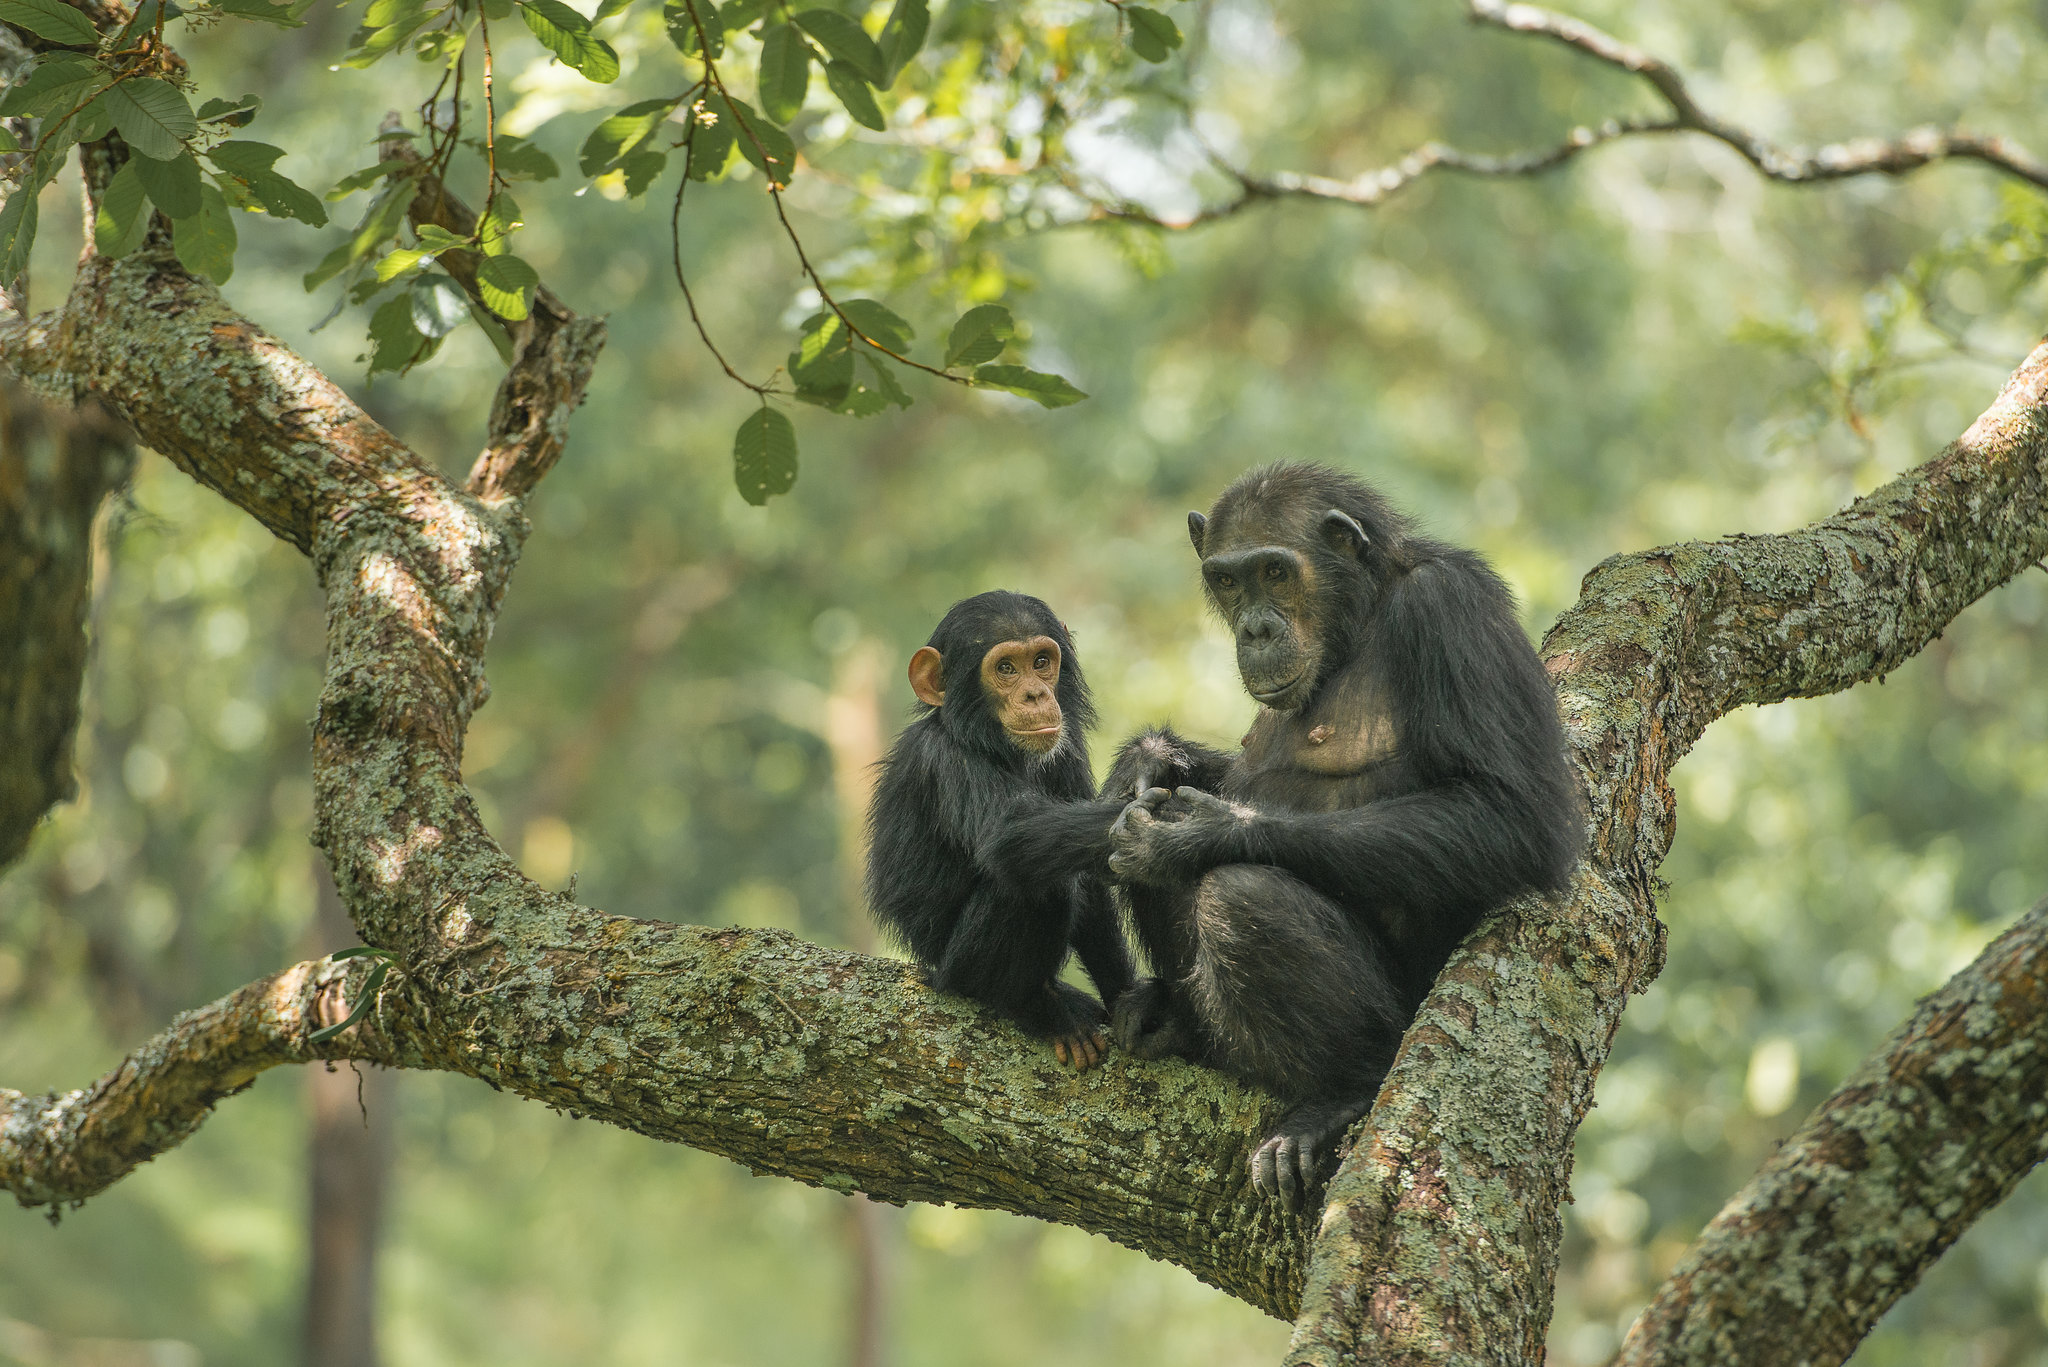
{"points": [[380, 224], [738, 15], [50, 19], [396, 263], [494, 230], [885, 378], [902, 36], [60, 81], [152, 116], [383, 13], [764, 456], [567, 34], [642, 169], [261, 10], [8, 142], [365, 178], [123, 216], [437, 239], [845, 39], [785, 72], [206, 241], [233, 113], [621, 133], [878, 324], [17, 233], [854, 94], [368, 999], [173, 186], [1048, 391], [438, 305], [250, 162], [759, 141], [979, 335], [682, 31], [1153, 35], [519, 159], [395, 342], [710, 143], [369, 45], [506, 284], [607, 9]]}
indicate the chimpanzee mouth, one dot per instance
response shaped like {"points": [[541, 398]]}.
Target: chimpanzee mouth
{"points": [[1277, 695]]}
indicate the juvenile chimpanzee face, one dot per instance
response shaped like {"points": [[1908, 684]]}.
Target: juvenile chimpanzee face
{"points": [[1021, 680]]}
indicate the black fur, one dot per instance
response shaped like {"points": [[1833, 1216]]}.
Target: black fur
{"points": [[1298, 899], [978, 852]]}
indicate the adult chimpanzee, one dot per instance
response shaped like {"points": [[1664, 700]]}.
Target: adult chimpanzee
{"points": [[977, 816], [1405, 775]]}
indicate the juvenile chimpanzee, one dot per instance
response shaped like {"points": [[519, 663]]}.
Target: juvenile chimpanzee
{"points": [[1405, 775], [977, 818]]}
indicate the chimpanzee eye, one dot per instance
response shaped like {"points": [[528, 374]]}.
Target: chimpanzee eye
{"points": [[1006, 668], [1042, 661], [1275, 573], [1224, 581]]}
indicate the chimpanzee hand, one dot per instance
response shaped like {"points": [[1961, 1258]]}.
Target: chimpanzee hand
{"points": [[1150, 761], [1077, 1018], [1145, 1025], [1164, 837]]}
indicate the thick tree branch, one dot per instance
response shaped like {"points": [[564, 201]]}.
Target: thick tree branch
{"points": [[63, 1148], [1927, 1135], [56, 467]]}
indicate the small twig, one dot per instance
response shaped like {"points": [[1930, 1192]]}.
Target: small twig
{"points": [[675, 240], [490, 124]]}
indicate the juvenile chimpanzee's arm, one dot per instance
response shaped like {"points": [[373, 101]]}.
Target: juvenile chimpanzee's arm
{"points": [[1157, 758]]}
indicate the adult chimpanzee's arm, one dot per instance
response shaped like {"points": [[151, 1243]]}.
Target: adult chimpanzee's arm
{"points": [[1493, 810], [1157, 758]]}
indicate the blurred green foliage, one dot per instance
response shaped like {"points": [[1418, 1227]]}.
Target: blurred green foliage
{"points": [[1650, 346]]}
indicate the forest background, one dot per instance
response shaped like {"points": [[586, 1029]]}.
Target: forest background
{"points": [[1648, 345]]}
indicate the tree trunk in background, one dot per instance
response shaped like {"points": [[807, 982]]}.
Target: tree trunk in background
{"points": [[853, 730], [348, 1161]]}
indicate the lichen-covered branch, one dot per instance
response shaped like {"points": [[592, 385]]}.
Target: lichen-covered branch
{"points": [[1930, 1132], [61, 1148], [1439, 1239], [56, 467]]}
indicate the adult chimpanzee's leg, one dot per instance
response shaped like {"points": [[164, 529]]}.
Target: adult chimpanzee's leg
{"points": [[1155, 1019], [1294, 995]]}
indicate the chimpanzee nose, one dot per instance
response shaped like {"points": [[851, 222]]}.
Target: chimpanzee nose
{"points": [[1260, 630]]}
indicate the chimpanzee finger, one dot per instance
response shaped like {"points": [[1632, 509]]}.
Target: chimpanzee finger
{"points": [[1152, 797], [1290, 1177], [1305, 1157], [1262, 1170], [1059, 1050]]}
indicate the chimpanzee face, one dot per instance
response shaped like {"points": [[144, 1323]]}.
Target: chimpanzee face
{"points": [[1021, 681], [1268, 596]]}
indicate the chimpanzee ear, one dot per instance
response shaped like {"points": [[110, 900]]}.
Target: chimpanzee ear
{"points": [[1196, 525], [1343, 530], [927, 677]]}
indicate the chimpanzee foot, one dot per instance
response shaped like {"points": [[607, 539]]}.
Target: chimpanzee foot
{"points": [[1145, 1025], [1294, 1160], [1077, 1035]]}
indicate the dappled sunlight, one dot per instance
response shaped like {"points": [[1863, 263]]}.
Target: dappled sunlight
{"points": [[390, 862]]}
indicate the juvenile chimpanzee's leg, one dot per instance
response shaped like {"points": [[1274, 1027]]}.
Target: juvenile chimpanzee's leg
{"points": [[1295, 997], [1099, 941], [1006, 952]]}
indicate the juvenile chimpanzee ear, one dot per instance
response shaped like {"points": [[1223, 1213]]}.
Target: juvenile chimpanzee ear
{"points": [[927, 677], [1343, 530], [1196, 525]]}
